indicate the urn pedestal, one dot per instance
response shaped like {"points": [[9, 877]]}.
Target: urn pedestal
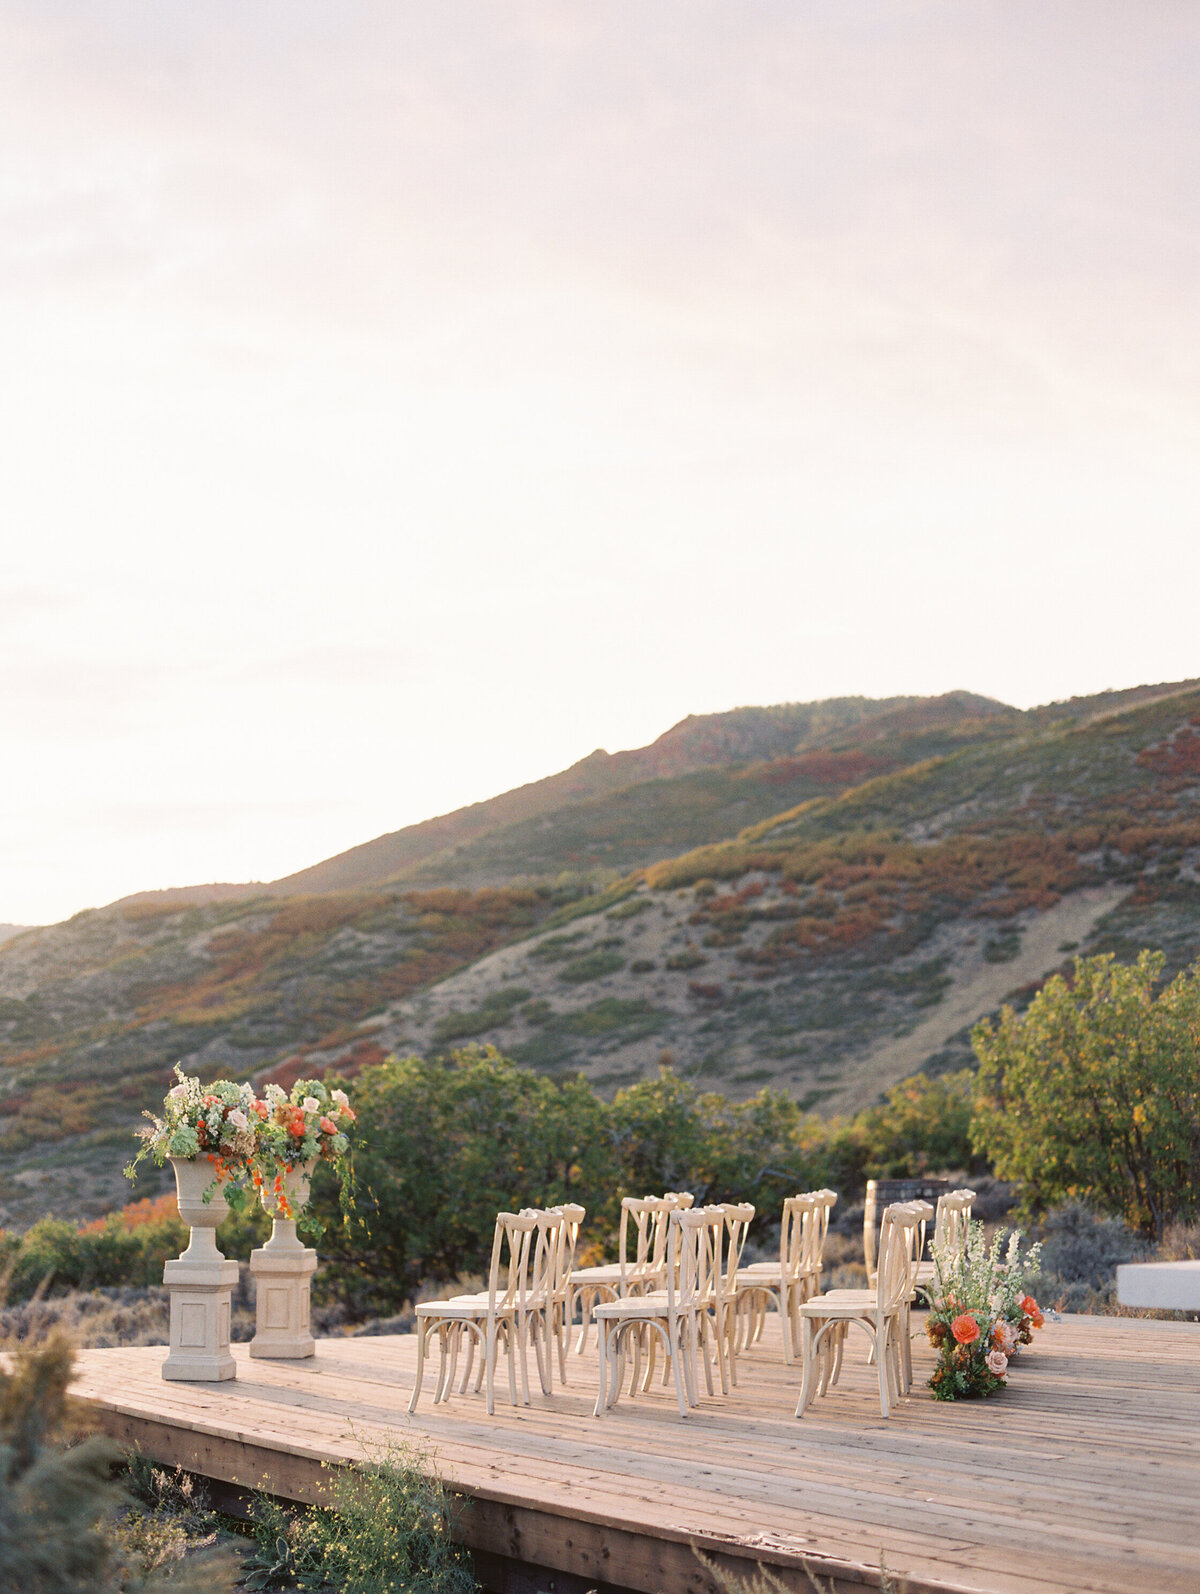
{"points": [[201, 1283], [283, 1271]]}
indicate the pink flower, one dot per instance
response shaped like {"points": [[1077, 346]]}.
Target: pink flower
{"points": [[328, 1126], [238, 1119], [997, 1363]]}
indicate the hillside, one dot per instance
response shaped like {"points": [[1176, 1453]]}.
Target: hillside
{"points": [[826, 911]]}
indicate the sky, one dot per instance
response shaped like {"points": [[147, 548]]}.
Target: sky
{"points": [[400, 401]]}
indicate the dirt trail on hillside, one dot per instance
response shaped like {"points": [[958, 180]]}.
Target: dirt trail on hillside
{"points": [[979, 988]]}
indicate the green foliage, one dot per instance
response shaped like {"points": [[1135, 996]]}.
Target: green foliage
{"points": [[508, 1137], [1095, 1091], [124, 1248], [387, 1530], [591, 966], [58, 1503], [495, 1009], [923, 1124]]}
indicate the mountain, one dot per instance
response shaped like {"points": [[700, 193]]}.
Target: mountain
{"points": [[821, 897]]}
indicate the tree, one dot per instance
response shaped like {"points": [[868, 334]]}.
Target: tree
{"points": [[1095, 1091]]}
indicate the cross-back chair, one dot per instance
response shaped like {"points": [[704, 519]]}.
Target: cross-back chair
{"points": [[882, 1313], [641, 1258], [674, 1319], [950, 1225], [790, 1281], [489, 1320]]}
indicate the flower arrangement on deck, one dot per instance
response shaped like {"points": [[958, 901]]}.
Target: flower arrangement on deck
{"points": [[980, 1312], [216, 1121]]}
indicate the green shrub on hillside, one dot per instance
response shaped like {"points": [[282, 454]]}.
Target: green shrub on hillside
{"points": [[1095, 1091], [447, 1143]]}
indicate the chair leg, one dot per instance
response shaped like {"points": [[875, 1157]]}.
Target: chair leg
{"points": [[422, 1335], [444, 1332], [882, 1358], [602, 1346], [787, 1327], [686, 1347], [808, 1362], [489, 1360], [584, 1298], [906, 1347]]}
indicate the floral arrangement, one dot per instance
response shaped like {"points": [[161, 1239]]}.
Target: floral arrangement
{"points": [[215, 1121], [980, 1313], [250, 1140], [311, 1124]]}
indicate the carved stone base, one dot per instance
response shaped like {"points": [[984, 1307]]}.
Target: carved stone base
{"points": [[283, 1277], [201, 1302]]}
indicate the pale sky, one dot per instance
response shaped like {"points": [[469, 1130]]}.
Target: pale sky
{"points": [[402, 399]]}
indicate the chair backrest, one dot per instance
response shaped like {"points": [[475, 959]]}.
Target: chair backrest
{"points": [[953, 1219], [816, 1229], [897, 1239], [792, 1236], [572, 1216], [694, 1240], [508, 1271], [738, 1217], [545, 1248], [922, 1211], [638, 1213]]}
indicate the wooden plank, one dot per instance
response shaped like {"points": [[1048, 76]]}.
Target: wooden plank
{"points": [[1031, 1493]]}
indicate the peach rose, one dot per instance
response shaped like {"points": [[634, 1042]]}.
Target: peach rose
{"points": [[997, 1363], [965, 1329], [1029, 1306]]}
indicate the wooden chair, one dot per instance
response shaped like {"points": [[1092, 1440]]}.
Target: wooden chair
{"points": [[950, 1226], [561, 1325], [488, 1320], [640, 1265], [882, 1313], [674, 1318], [790, 1281], [539, 1315]]}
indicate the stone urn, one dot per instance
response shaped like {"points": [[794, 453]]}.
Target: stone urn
{"points": [[200, 1281], [283, 1271]]}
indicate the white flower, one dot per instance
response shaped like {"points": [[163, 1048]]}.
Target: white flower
{"points": [[311, 1104], [238, 1119], [275, 1095], [341, 1098]]}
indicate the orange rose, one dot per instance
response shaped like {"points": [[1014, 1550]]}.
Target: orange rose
{"points": [[1036, 1319], [965, 1329], [1029, 1305], [328, 1126]]}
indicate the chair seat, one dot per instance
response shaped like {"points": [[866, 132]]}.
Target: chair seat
{"points": [[924, 1273], [463, 1306], [605, 1273], [655, 1304], [842, 1303]]}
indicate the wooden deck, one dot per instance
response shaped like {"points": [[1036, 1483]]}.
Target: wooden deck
{"points": [[1083, 1475]]}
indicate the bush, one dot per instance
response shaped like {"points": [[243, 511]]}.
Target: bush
{"points": [[1095, 1091], [126, 1247], [58, 1506], [446, 1144], [1081, 1247], [387, 1527]]}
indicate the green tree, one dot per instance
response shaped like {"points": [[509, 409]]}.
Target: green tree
{"points": [[445, 1145], [922, 1126], [1095, 1091]]}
